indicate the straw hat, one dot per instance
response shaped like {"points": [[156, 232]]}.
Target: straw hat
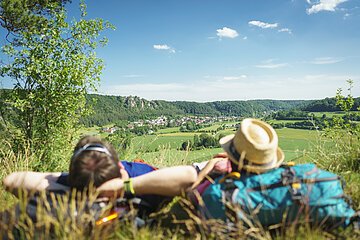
{"points": [[254, 147]]}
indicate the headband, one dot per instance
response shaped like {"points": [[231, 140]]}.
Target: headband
{"points": [[92, 147]]}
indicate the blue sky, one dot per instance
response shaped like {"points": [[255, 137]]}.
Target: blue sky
{"points": [[207, 50]]}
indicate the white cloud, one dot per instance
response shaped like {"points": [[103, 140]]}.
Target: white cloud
{"points": [[285, 30], [244, 38], [270, 64], [232, 78], [326, 60], [132, 76], [226, 32], [164, 47], [323, 5], [263, 24], [346, 15]]}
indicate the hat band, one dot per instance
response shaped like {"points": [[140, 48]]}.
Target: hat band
{"points": [[237, 156], [92, 147]]}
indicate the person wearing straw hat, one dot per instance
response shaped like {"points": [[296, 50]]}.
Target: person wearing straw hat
{"points": [[253, 148]]}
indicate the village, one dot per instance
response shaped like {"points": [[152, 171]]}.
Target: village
{"points": [[164, 122]]}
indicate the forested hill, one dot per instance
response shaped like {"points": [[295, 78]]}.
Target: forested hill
{"points": [[327, 105], [111, 109], [238, 108]]}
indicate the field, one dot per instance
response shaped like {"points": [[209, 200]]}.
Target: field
{"points": [[328, 114], [162, 149], [283, 121]]}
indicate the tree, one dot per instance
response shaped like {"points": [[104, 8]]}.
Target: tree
{"points": [[21, 15], [121, 142], [53, 66], [186, 146]]}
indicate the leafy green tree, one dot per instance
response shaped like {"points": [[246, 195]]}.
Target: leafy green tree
{"points": [[207, 141], [197, 142], [52, 67], [21, 15], [187, 145], [121, 142]]}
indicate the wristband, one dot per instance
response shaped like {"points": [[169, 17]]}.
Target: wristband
{"points": [[129, 191]]}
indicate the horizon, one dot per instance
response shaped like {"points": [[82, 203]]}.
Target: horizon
{"points": [[229, 50], [263, 99]]}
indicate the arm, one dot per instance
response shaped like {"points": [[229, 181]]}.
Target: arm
{"points": [[166, 182], [32, 182], [170, 181]]}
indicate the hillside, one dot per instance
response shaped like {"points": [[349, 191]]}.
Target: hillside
{"points": [[327, 105], [111, 109]]}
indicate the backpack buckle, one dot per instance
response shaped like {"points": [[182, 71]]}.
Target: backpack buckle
{"points": [[295, 193], [232, 175]]}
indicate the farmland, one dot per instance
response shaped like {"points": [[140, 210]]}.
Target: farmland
{"points": [[163, 148]]}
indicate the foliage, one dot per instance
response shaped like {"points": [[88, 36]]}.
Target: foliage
{"points": [[329, 105], [289, 115], [52, 67], [121, 142], [189, 126], [338, 147], [25, 15], [201, 141]]}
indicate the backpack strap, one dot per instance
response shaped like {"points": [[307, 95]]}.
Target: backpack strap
{"points": [[228, 188], [355, 221]]}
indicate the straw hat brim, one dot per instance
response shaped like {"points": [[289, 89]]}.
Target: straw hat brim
{"points": [[225, 143]]}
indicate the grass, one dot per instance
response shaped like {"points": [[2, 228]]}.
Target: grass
{"points": [[168, 130], [283, 121], [150, 143], [329, 114], [162, 150]]}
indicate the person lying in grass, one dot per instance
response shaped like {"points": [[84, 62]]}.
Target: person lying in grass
{"points": [[96, 162]]}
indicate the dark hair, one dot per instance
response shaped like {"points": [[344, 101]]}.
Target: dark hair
{"points": [[94, 162]]}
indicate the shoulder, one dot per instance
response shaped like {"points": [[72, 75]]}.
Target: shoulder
{"points": [[136, 168], [63, 179]]}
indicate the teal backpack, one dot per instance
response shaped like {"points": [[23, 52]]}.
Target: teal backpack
{"points": [[288, 194]]}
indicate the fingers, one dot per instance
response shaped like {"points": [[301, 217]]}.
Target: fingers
{"points": [[221, 155]]}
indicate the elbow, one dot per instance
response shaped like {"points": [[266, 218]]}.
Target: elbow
{"points": [[191, 176], [9, 181]]}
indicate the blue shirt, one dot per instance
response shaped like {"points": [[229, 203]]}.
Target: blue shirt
{"points": [[135, 169]]}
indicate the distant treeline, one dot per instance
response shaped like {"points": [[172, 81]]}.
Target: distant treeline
{"points": [[327, 105], [114, 109], [111, 109]]}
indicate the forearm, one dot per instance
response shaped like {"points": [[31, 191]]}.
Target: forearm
{"points": [[32, 182], [166, 182], [170, 181]]}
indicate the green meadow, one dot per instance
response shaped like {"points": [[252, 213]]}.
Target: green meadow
{"points": [[328, 114], [283, 121], [163, 148]]}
